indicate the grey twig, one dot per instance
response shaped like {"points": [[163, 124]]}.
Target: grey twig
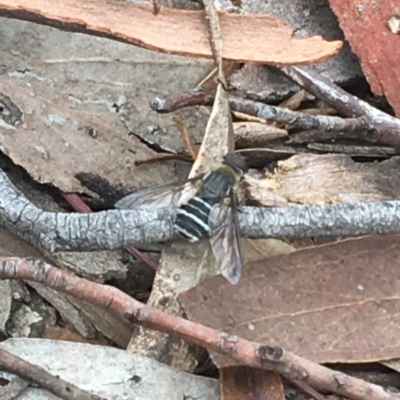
{"points": [[387, 127], [327, 220], [117, 228], [77, 231], [297, 120]]}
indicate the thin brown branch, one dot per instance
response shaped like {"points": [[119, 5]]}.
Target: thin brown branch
{"points": [[309, 390], [162, 156], [76, 202], [34, 373], [179, 100], [272, 358], [186, 136]]}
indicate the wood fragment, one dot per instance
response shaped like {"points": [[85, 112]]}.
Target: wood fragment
{"points": [[177, 31]]}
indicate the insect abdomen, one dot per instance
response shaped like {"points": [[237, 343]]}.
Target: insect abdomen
{"points": [[192, 219]]}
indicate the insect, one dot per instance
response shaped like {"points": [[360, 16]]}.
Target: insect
{"points": [[201, 211]]}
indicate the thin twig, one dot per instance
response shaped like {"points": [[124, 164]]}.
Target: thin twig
{"points": [[76, 202], [296, 120], [161, 157], [181, 100], [41, 377], [272, 358], [186, 136], [386, 126]]}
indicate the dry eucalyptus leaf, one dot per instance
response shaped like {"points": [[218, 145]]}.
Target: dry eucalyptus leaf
{"points": [[108, 372], [180, 266], [79, 104], [98, 266], [181, 32], [328, 303], [323, 179]]}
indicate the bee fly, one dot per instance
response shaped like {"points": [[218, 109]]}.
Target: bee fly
{"points": [[201, 212]]}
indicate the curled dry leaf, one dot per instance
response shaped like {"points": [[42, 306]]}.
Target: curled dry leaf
{"points": [[328, 303], [179, 270]]}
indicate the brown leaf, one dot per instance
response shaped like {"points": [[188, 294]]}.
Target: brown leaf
{"points": [[365, 27], [83, 106], [179, 31], [330, 303], [243, 383]]}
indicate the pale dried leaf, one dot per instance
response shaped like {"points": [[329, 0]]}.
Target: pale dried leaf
{"points": [[81, 97], [108, 372]]}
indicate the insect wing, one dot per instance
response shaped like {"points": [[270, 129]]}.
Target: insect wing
{"points": [[168, 194], [225, 239]]}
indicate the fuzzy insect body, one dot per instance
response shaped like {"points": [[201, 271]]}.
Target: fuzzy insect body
{"points": [[201, 211]]}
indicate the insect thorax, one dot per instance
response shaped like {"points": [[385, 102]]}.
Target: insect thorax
{"points": [[217, 184]]}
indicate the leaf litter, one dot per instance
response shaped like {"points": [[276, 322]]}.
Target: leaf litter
{"points": [[85, 113], [301, 300], [328, 303], [108, 372]]}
